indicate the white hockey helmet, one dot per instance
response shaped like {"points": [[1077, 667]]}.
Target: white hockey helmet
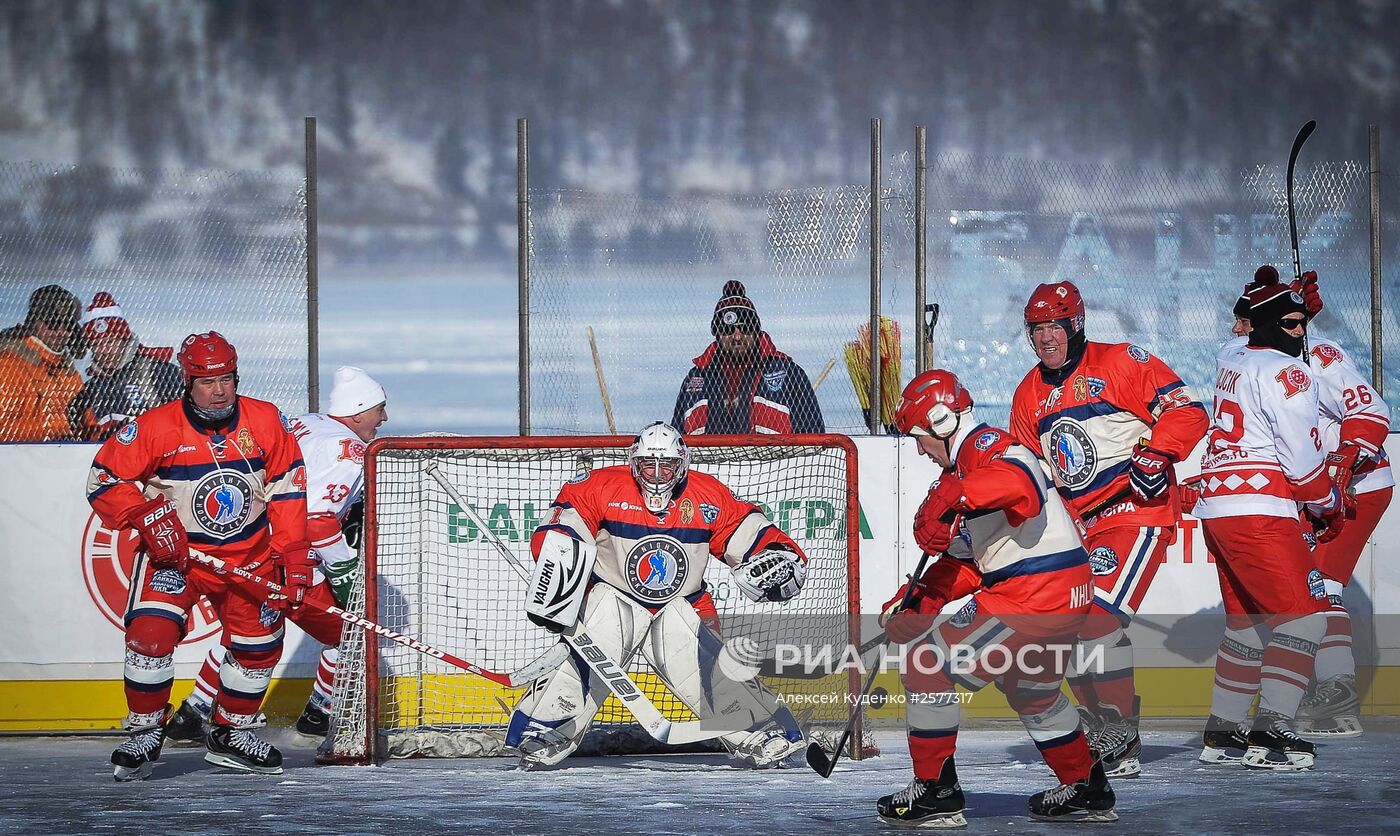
{"points": [[658, 459]]}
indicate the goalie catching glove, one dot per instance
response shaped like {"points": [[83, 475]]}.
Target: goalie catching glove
{"points": [[773, 574]]}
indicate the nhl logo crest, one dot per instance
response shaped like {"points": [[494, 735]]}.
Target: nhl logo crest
{"points": [[108, 559], [221, 502], [657, 568]]}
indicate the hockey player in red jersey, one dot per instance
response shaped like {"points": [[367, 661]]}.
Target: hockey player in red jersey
{"points": [[333, 447], [646, 532], [1354, 421], [1110, 420], [1264, 461], [1006, 538], [217, 471]]}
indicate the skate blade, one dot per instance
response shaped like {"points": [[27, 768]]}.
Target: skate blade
{"points": [[1081, 817], [123, 774], [1260, 758], [1341, 727], [1220, 757], [948, 821], [1126, 768], [238, 765]]}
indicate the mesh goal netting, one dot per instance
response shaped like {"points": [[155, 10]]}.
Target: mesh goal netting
{"points": [[430, 574]]}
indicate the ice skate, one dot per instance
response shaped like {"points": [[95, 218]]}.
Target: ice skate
{"points": [[1333, 709], [1090, 800], [188, 725], [314, 721], [1225, 742], [1118, 745], [1274, 745], [134, 759], [240, 748], [933, 804]]}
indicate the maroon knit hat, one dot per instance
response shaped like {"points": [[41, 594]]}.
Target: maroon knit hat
{"points": [[733, 308]]}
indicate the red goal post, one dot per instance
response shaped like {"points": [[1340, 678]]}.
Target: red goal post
{"points": [[427, 572]]}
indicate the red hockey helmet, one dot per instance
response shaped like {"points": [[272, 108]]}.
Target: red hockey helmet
{"points": [[932, 404], [1053, 302], [207, 355]]}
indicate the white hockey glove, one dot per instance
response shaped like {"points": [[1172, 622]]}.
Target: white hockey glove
{"points": [[771, 575]]}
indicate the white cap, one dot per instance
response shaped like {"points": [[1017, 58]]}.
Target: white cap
{"points": [[354, 392]]}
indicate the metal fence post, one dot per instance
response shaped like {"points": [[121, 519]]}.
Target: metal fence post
{"points": [[1377, 356], [313, 290], [522, 258], [875, 194], [922, 362]]}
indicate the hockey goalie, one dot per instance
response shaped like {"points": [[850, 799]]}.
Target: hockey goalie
{"points": [[623, 554]]}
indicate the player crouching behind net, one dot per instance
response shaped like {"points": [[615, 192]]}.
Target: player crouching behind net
{"points": [[1006, 538], [643, 532]]}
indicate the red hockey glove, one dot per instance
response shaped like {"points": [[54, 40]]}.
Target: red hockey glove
{"points": [[1327, 522], [945, 499], [162, 533], [933, 536], [1307, 288], [1341, 467], [297, 571], [905, 625], [1190, 494], [1149, 472]]}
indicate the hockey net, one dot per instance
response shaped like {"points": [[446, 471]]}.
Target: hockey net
{"points": [[429, 573]]}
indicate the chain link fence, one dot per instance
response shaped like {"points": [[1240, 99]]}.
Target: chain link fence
{"points": [[1160, 257], [179, 252]]}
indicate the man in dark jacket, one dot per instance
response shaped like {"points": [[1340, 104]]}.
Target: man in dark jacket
{"points": [[742, 384], [125, 378]]}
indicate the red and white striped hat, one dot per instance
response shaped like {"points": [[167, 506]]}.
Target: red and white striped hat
{"points": [[104, 318]]}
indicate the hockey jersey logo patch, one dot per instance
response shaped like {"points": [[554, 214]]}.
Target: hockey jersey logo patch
{"points": [[1138, 353], [127, 434], [657, 568], [963, 617], [1073, 454], [168, 581], [1294, 381], [221, 502], [1103, 561], [1315, 586], [986, 439], [709, 512], [774, 380], [1326, 354]]}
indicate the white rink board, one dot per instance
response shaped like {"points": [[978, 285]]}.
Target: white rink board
{"points": [[51, 558]]}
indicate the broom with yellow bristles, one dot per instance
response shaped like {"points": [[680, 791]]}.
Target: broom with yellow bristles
{"points": [[891, 365]]}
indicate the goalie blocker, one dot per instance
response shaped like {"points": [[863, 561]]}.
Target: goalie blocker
{"points": [[644, 532]]}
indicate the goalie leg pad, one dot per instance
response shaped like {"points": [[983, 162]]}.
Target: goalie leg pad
{"points": [[552, 717], [717, 681], [559, 581]]}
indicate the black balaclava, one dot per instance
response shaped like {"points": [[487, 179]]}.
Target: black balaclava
{"points": [[1267, 306]]}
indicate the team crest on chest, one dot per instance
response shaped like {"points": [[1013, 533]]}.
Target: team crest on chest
{"points": [[709, 512], [1081, 388], [1072, 454], [245, 442], [222, 502], [687, 511], [774, 380], [657, 568]]}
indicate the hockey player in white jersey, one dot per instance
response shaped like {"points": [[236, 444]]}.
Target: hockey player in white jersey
{"points": [[1354, 421], [1264, 461], [333, 448]]}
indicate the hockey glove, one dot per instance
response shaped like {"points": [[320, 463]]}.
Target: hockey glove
{"points": [[905, 625], [771, 575], [297, 571], [1341, 467], [1149, 472], [1191, 494], [353, 526], [1327, 519], [944, 501], [1307, 288], [933, 536], [162, 533]]}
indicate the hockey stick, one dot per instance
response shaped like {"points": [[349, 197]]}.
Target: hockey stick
{"points": [[817, 758], [548, 662], [610, 672], [602, 384], [1303, 134], [817, 384], [931, 311]]}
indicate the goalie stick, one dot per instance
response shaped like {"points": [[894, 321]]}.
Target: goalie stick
{"points": [[656, 724], [518, 679], [1303, 134], [817, 758]]}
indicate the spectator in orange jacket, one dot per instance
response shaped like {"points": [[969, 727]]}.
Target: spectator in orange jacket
{"points": [[37, 378]]}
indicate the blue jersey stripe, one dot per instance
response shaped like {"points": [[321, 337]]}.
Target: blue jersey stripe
{"points": [[1037, 566], [192, 472], [633, 531], [1082, 412]]}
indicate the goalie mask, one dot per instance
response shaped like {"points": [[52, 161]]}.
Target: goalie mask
{"points": [[658, 459]]}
